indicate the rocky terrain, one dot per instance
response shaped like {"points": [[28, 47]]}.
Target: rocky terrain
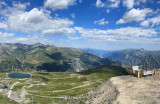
{"points": [[132, 90], [127, 90]]}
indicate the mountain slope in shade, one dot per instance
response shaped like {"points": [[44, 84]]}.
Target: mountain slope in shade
{"points": [[16, 56]]}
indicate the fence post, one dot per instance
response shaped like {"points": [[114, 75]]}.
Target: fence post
{"points": [[155, 72], [138, 74]]}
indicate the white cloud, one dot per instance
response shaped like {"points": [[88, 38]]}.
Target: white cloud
{"points": [[128, 34], [101, 22], [73, 15], [114, 3], [80, 1], [5, 35], [108, 4], [99, 3], [17, 8], [128, 3], [73, 38], [59, 32], [155, 21], [145, 23], [3, 26], [158, 2], [56, 15], [34, 21], [121, 21], [33, 17], [108, 11], [2, 3], [135, 15], [30, 40], [138, 2], [20, 5], [131, 3], [58, 4]]}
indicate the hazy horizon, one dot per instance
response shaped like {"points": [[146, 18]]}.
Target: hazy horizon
{"points": [[82, 47]]}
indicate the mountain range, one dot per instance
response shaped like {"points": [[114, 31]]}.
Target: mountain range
{"points": [[129, 57], [16, 56]]}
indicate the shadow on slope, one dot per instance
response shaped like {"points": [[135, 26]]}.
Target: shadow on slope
{"points": [[55, 67], [112, 70]]}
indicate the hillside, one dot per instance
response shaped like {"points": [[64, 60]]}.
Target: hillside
{"points": [[16, 56]]}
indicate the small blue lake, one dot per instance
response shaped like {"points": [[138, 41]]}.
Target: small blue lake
{"points": [[19, 75]]}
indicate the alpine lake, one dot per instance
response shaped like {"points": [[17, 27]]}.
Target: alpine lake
{"points": [[19, 75]]}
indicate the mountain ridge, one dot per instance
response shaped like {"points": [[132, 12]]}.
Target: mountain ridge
{"points": [[17, 56]]}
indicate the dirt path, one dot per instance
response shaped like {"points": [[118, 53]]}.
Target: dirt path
{"points": [[61, 78], [72, 88], [23, 92], [31, 85], [132, 90], [59, 97], [10, 90]]}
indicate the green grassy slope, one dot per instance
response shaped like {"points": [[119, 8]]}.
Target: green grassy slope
{"points": [[108, 70], [4, 100], [49, 87]]}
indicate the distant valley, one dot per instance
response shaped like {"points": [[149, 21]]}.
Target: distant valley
{"points": [[97, 52]]}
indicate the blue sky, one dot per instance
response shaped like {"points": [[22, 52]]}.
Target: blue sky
{"points": [[98, 24]]}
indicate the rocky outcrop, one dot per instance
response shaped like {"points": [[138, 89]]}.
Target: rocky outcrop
{"points": [[105, 93], [77, 65]]}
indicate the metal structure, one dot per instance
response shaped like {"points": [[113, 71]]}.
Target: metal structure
{"points": [[138, 72]]}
